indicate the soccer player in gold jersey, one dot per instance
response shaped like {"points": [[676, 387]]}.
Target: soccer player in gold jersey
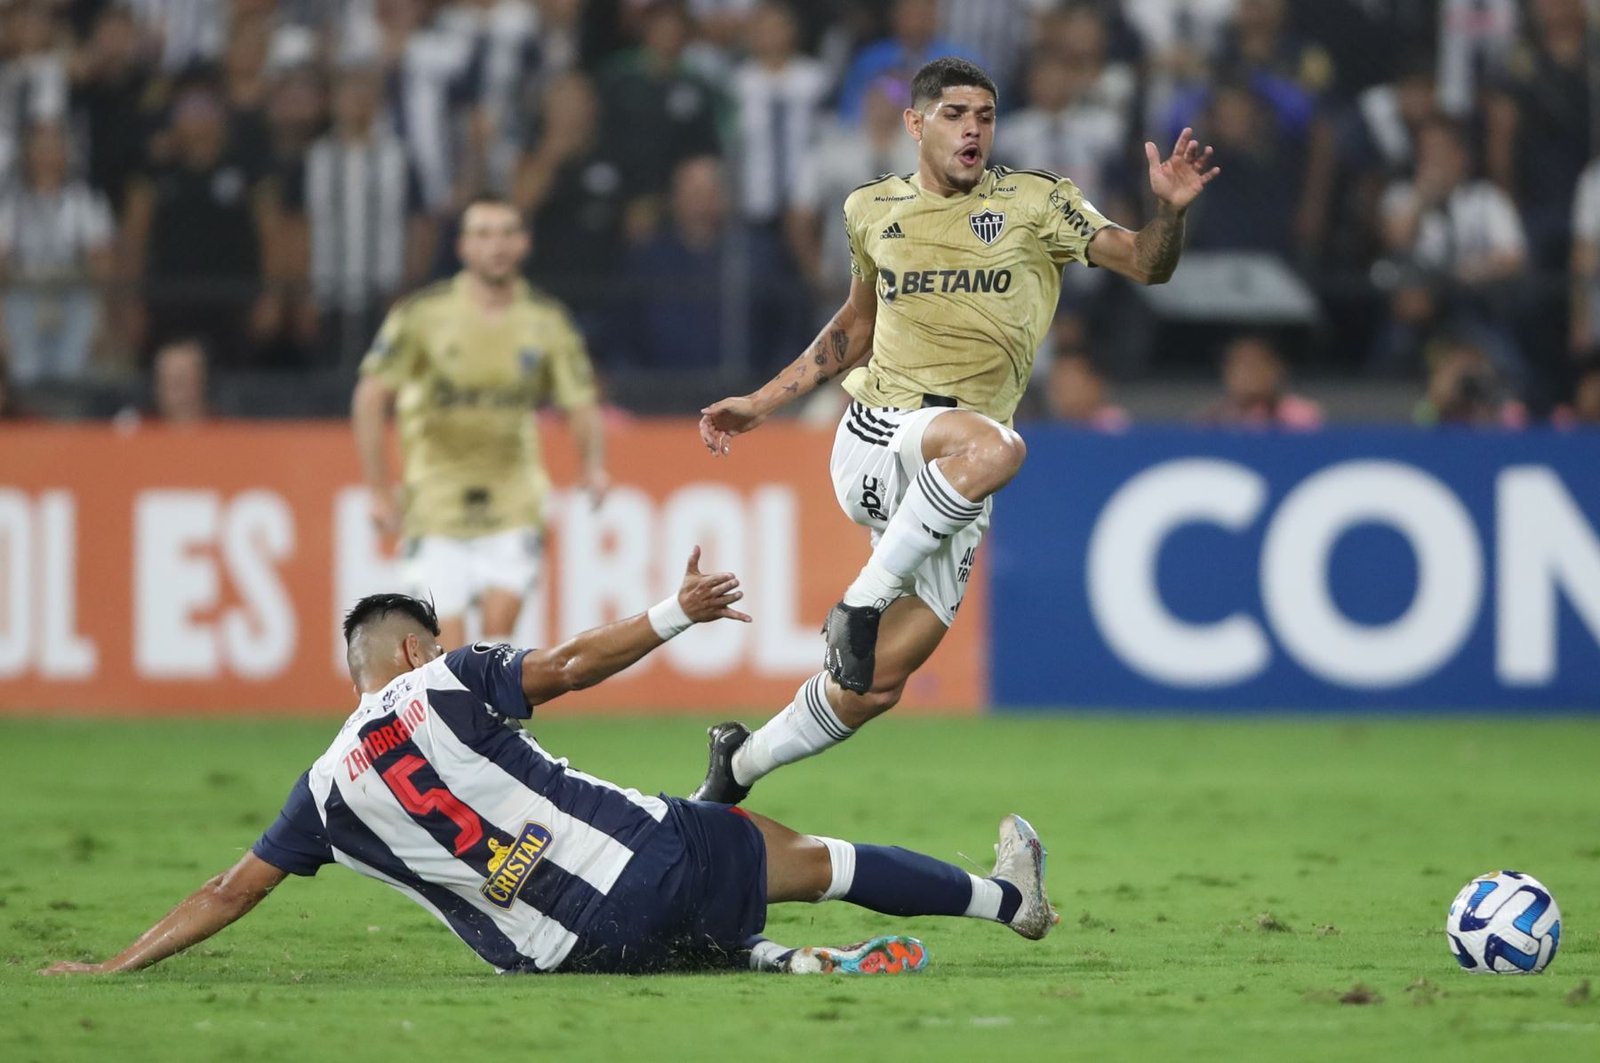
{"points": [[957, 270], [463, 364]]}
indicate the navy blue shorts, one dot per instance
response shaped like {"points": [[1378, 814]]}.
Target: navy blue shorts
{"points": [[692, 897]]}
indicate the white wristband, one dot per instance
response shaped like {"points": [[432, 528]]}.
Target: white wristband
{"points": [[668, 618]]}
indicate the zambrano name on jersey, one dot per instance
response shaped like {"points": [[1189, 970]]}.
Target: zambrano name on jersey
{"points": [[466, 386], [967, 285]]}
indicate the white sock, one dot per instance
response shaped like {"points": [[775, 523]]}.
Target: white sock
{"points": [[986, 898], [930, 513], [843, 857], [808, 726]]}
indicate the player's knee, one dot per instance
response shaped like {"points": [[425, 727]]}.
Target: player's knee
{"points": [[1005, 453], [995, 456]]}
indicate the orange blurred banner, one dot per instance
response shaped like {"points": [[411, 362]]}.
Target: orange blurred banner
{"points": [[165, 571]]}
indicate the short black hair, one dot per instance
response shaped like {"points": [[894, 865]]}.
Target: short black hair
{"points": [[487, 198], [948, 72], [380, 606]]}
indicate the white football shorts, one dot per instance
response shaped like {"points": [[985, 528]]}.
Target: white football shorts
{"points": [[456, 572], [877, 453]]}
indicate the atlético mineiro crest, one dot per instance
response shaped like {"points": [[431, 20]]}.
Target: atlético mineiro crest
{"points": [[986, 224]]}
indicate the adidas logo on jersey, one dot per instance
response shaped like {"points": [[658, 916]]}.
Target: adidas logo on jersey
{"points": [[893, 232]]}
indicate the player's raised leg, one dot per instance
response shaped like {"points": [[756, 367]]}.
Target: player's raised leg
{"points": [[822, 714], [966, 458]]}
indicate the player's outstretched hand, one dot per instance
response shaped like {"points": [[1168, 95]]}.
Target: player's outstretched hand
{"points": [[1179, 180], [721, 421], [709, 596]]}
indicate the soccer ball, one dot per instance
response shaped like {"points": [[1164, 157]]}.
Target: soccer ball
{"points": [[1504, 922]]}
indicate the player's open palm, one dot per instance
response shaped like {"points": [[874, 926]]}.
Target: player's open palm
{"points": [[709, 596], [721, 421], [1178, 181]]}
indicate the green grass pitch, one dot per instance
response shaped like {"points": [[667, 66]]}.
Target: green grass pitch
{"points": [[1230, 890]]}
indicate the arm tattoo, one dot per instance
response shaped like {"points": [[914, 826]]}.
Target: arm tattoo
{"points": [[838, 341], [1157, 246], [841, 344]]}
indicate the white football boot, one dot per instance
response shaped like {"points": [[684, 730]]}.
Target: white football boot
{"points": [[1019, 859]]}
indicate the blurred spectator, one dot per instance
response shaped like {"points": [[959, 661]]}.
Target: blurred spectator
{"points": [[1178, 36], [1377, 145], [997, 31], [655, 112], [180, 383], [296, 115], [114, 95], [1464, 389], [779, 96], [1259, 38], [574, 191], [1075, 392], [1388, 116], [1456, 244], [357, 210], [1254, 209], [1539, 127], [1585, 264], [1475, 39], [778, 93], [854, 154], [10, 409], [1079, 113], [559, 38], [182, 32], [504, 35], [55, 250], [676, 279], [198, 231], [1584, 409], [1368, 40], [434, 91], [1254, 382], [1260, 43], [913, 40], [33, 76]]}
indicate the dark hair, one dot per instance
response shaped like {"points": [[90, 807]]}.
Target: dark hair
{"points": [[381, 606], [948, 72], [493, 199]]}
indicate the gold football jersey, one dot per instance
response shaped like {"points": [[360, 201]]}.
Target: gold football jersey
{"points": [[467, 384], [967, 285]]}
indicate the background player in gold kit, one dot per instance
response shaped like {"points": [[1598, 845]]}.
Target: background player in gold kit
{"points": [[463, 364], [956, 275]]}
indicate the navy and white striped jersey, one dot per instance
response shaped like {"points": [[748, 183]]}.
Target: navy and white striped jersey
{"points": [[430, 788]]}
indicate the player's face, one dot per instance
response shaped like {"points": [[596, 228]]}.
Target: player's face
{"points": [[493, 242], [956, 134]]}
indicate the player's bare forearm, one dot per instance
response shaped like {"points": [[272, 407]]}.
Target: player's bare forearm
{"points": [[844, 343], [596, 654], [587, 658], [369, 418], [1158, 246], [590, 437], [1150, 255], [215, 905]]}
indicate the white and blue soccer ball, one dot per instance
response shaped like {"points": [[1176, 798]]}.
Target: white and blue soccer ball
{"points": [[1504, 922]]}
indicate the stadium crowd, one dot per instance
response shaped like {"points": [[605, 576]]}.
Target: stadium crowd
{"points": [[251, 183]]}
